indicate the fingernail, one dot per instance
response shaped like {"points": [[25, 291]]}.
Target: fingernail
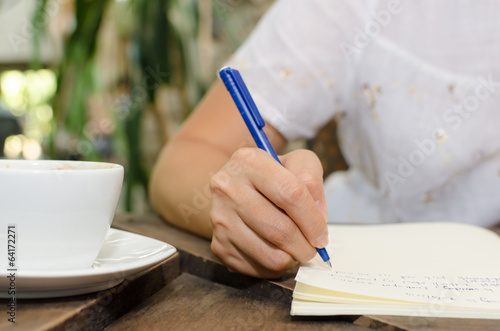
{"points": [[323, 240]]}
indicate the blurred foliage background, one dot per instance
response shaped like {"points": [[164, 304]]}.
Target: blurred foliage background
{"points": [[122, 77]]}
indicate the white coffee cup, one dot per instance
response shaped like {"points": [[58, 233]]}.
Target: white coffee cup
{"points": [[58, 212]]}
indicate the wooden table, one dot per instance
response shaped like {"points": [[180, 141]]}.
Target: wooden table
{"points": [[192, 290]]}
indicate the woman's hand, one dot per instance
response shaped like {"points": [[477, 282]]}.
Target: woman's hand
{"points": [[267, 217], [262, 217]]}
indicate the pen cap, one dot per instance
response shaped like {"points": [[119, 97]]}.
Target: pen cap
{"points": [[247, 108], [233, 78]]}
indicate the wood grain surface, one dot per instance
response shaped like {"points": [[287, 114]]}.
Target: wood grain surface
{"points": [[192, 290], [196, 256], [193, 303], [91, 311], [197, 259]]}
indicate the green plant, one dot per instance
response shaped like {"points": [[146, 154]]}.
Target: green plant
{"points": [[161, 47], [157, 45]]}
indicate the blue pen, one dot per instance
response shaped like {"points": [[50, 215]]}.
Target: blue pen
{"points": [[248, 110]]}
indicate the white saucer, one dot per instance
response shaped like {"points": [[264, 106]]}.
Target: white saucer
{"points": [[122, 255]]}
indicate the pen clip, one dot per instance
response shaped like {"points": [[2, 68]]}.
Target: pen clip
{"points": [[248, 99]]}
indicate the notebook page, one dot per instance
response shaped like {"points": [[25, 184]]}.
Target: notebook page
{"points": [[438, 263]]}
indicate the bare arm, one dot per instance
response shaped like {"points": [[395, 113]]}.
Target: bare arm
{"points": [[211, 179], [179, 187]]}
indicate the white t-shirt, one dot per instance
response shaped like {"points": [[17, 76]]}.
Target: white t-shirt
{"points": [[415, 88]]}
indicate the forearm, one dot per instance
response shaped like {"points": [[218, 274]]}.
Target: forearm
{"points": [[179, 188], [185, 200]]}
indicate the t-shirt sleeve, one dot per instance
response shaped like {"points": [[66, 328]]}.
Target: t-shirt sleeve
{"points": [[294, 66]]}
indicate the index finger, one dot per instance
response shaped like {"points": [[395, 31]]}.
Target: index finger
{"points": [[289, 192], [306, 165]]}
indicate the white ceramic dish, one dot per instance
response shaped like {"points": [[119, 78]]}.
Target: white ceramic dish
{"points": [[123, 254]]}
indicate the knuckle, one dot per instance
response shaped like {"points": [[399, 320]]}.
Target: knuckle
{"points": [[219, 182], [309, 178], [313, 159], [218, 249], [225, 192], [291, 192], [242, 158], [282, 233], [277, 261], [218, 221], [245, 153]]}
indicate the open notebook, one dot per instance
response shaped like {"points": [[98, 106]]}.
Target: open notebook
{"points": [[413, 269]]}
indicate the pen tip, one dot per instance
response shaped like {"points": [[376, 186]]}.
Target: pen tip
{"points": [[329, 264]]}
